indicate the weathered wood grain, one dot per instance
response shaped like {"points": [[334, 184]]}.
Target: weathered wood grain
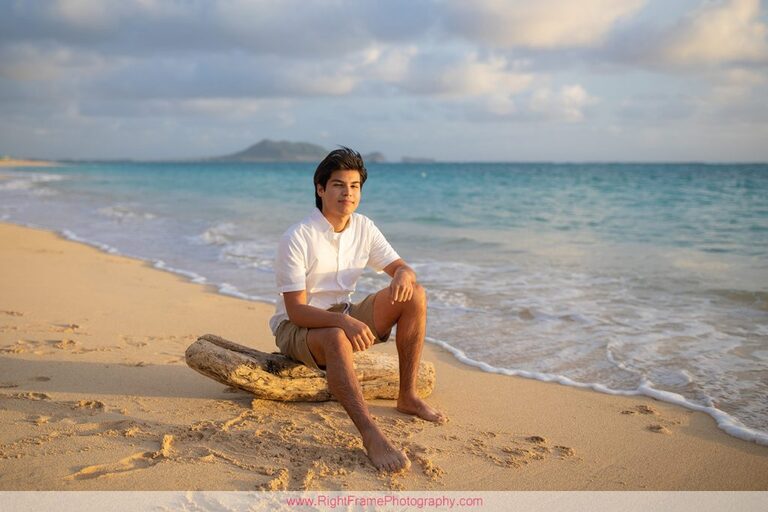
{"points": [[275, 377]]}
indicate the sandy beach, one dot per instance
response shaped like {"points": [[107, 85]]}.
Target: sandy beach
{"points": [[25, 162], [95, 395]]}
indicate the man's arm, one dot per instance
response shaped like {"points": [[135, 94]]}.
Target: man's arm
{"points": [[304, 315], [403, 281]]}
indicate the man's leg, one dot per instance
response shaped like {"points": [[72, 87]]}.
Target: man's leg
{"points": [[411, 320], [331, 348]]}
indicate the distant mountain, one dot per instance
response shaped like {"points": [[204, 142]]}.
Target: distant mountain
{"points": [[375, 157], [284, 151], [276, 151]]}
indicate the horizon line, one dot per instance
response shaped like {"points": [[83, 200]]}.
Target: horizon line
{"points": [[396, 162]]}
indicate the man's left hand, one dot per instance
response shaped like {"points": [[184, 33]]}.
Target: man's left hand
{"points": [[401, 287]]}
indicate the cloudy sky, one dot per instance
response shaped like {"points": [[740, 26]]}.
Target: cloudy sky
{"points": [[550, 80]]}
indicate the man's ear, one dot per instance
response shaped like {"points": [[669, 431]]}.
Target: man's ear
{"points": [[320, 189]]}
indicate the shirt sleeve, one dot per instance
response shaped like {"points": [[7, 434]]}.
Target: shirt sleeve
{"points": [[290, 264], [382, 254]]}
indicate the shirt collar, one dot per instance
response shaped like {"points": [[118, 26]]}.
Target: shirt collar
{"points": [[322, 223]]}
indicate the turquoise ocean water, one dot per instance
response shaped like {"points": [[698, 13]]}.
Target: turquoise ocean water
{"points": [[627, 278]]}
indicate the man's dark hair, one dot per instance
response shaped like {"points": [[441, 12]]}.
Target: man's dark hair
{"points": [[342, 159]]}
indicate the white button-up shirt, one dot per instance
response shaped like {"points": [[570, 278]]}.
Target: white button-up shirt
{"points": [[312, 257]]}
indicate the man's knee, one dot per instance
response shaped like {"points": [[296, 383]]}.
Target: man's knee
{"points": [[327, 343], [335, 340], [419, 298]]}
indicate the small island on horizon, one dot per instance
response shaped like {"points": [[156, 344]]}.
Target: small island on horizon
{"points": [[264, 151], [267, 150]]}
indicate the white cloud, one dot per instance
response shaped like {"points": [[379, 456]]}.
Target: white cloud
{"points": [[539, 24], [463, 75], [319, 84], [721, 32], [219, 107], [499, 105], [233, 75], [568, 103], [737, 84], [736, 95], [29, 62], [540, 103], [388, 63], [85, 14]]}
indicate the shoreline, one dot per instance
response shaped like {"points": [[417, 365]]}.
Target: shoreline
{"points": [[106, 310], [725, 422]]}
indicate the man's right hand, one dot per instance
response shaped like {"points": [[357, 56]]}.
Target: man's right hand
{"points": [[358, 333]]}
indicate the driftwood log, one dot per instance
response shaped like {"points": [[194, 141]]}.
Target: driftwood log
{"points": [[276, 377]]}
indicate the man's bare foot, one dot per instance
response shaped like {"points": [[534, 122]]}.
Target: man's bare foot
{"points": [[418, 407], [382, 453]]}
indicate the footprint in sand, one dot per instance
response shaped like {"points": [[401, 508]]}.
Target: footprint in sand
{"points": [[641, 409], [73, 328], [317, 471], [130, 340], [141, 460], [564, 451], [514, 451], [279, 483], [39, 419], [422, 455], [139, 364], [662, 427], [659, 429], [27, 396], [90, 404], [183, 340], [12, 313], [20, 347], [37, 347], [137, 461], [65, 344]]}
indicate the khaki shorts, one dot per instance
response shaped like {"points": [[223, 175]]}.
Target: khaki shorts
{"points": [[292, 339]]}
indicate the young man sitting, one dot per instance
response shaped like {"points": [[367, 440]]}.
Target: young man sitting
{"points": [[319, 261]]}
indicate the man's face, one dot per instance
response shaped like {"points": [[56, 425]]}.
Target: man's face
{"points": [[341, 194]]}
